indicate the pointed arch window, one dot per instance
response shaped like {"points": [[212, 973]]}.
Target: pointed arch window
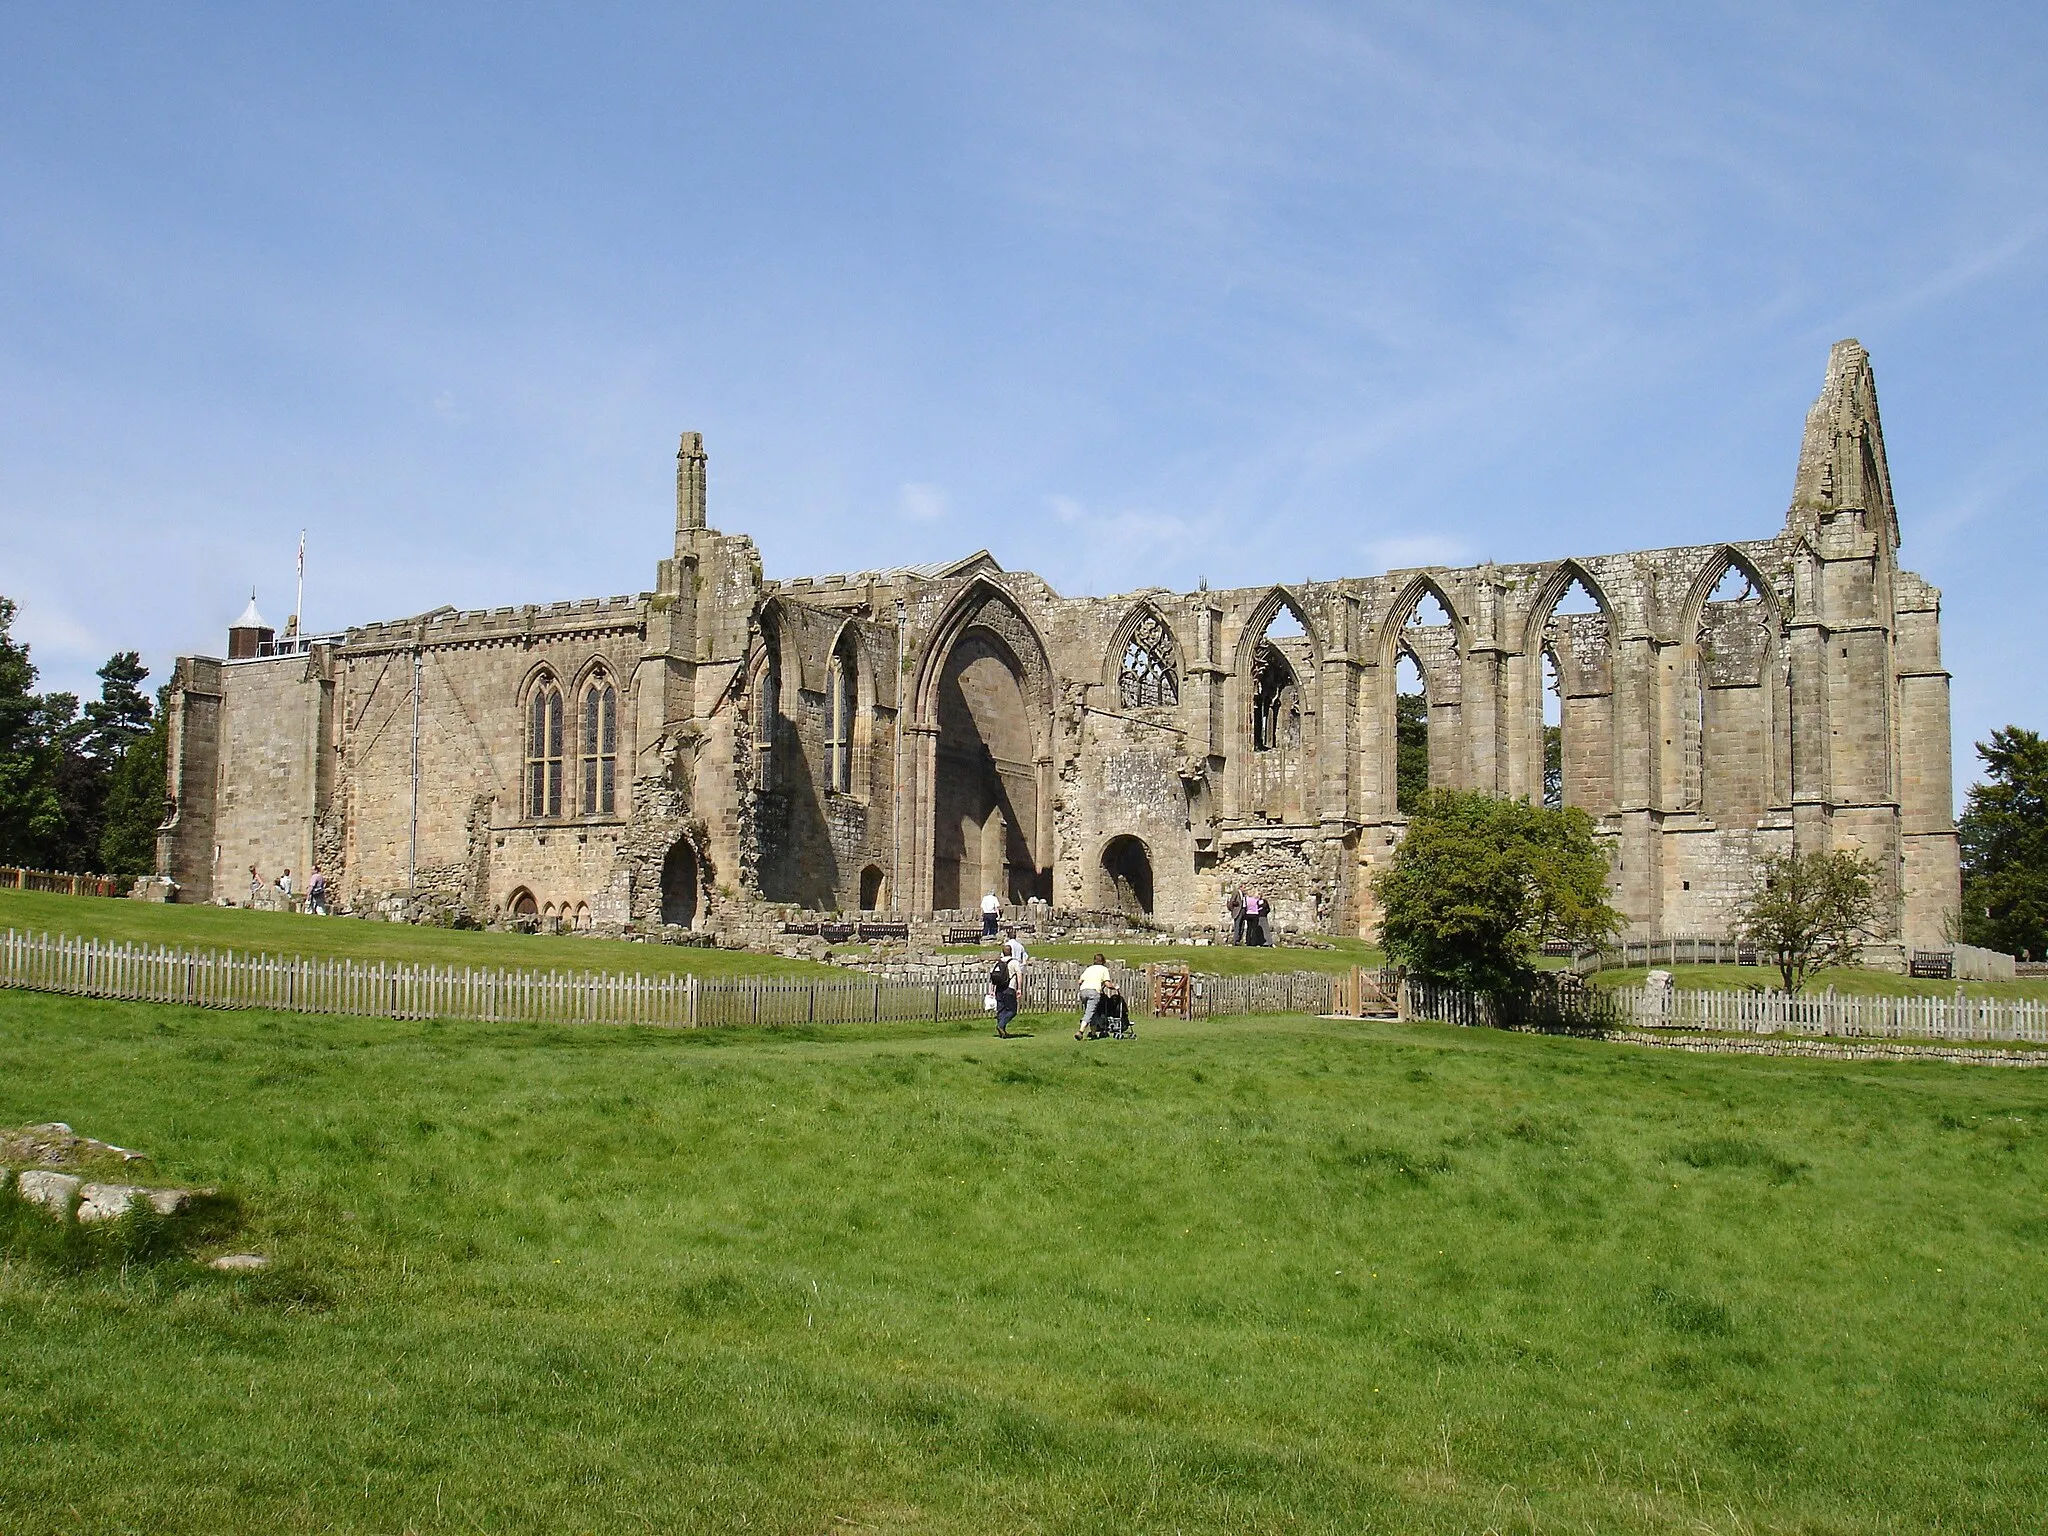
{"points": [[842, 703], [1276, 700], [544, 751], [600, 755], [1149, 673], [767, 715]]}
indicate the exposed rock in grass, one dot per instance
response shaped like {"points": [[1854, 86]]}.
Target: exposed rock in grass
{"points": [[56, 1145], [61, 1164], [234, 1262], [53, 1191], [108, 1202]]}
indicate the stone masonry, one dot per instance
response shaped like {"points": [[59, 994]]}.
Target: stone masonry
{"points": [[907, 740]]}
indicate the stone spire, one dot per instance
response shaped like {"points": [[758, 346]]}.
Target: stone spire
{"points": [[690, 483], [1841, 462]]}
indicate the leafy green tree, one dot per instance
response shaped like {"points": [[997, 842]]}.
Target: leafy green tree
{"points": [[1809, 911], [1479, 885], [2004, 836], [1411, 744], [31, 817], [135, 801]]}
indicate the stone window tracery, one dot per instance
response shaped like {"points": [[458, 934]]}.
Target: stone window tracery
{"points": [[544, 751], [1149, 674], [600, 746]]}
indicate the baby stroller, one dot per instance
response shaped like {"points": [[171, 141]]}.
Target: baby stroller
{"points": [[1112, 1019]]}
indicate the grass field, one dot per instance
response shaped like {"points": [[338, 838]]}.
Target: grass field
{"points": [[285, 933], [1848, 981], [1275, 1275], [1215, 959]]}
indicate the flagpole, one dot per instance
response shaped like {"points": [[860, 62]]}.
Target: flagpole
{"points": [[299, 606]]}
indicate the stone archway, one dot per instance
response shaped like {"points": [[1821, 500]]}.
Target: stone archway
{"points": [[679, 886], [983, 721], [1127, 876], [871, 888], [522, 904]]}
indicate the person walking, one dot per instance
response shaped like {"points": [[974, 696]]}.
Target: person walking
{"points": [[316, 893], [1233, 912], [1093, 980], [1016, 954], [991, 910], [1002, 980]]}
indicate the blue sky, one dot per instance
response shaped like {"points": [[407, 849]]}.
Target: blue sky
{"points": [[1131, 294]]}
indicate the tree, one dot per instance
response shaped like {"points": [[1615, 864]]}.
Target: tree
{"points": [[31, 818], [1479, 885], [121, 715], [1411, 747], [1809, 911], [135, 801], [2004, 835]]}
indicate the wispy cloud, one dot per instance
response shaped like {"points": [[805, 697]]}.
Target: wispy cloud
{"points": [[921, 503]]}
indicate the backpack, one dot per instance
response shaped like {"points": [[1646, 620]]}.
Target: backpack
{"points": [[999, 977]]}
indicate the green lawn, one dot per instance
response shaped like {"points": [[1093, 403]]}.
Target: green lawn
{"points": [[1273, 1275], [1216, 959], [284, 933], [1860, 983]]}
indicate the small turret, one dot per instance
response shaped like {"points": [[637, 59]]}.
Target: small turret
{"points": [[248, 633]]}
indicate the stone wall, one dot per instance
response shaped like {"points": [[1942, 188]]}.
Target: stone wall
{"points": [[1147, 750]]}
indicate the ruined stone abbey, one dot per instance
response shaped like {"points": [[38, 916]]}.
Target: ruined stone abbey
{"points": [[907, 740]]}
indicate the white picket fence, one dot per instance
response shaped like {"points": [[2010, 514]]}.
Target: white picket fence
{"points": [[225, 979], [1956, 1017]]}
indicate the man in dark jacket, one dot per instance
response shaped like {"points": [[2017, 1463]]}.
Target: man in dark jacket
{"points": [[1002, 980]]}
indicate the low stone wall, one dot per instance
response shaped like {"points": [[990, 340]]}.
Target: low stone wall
{"points": [[1830, 1050]]}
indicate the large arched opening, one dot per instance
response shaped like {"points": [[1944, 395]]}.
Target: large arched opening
{"points": [[1570, 648], [1279, 662], [1127, 877], [872, 888], [679, 887], [1734, 674], [986, 790]]}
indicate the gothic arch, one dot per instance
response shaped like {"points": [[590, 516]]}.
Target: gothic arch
{"points": [[1562, 577], [1404, 607], [1725, 559], [1734, 750], [984, 605], [544, 730], [1276, 740], [1443, 694], [1264, 614], [980, 756], [1588, 737], [1144, 615]]}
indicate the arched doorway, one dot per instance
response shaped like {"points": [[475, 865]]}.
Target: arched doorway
{"points": [[679, 886], [987, 791], [1127, 876], [871, 888], [522, 904]]}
